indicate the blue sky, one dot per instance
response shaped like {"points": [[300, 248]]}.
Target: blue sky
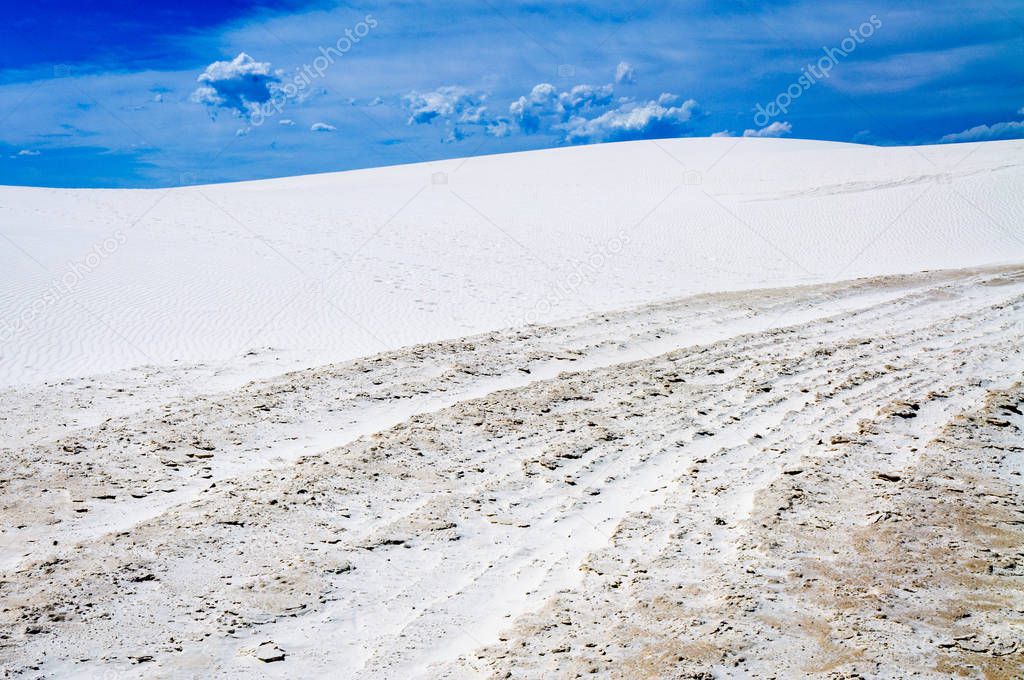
{"points": [[130, 94]]}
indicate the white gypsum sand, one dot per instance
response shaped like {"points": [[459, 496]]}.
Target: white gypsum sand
{"points": [[308, 270], [674, 475]]}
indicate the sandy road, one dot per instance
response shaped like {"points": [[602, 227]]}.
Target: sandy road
{"points": [[818, 481]]}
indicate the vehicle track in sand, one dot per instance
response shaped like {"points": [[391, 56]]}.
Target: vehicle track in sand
{"points": [[747, 485]]}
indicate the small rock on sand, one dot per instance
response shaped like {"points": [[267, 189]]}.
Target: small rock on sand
{"points": [[269, 652]]}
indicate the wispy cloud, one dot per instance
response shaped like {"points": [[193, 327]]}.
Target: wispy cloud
{"points": [[906, 71]]}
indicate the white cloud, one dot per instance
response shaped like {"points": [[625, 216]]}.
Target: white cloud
{"points": [[28, 152], [455, 134], [625, 74], [776, 129], [286, 121], [582, 113], [458, 107], [591, 113], [322, 127], [499, 128], [723, 133], [904, 71], [529, 110], [583, 97], [450, 101], [546, 107], [1010, 129], [632, 121], [240, 85]]}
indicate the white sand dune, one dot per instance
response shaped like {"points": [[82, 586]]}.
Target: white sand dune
{"points": [[687, 409], [330, 267]]}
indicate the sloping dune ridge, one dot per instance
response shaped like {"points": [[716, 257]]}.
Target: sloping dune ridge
{"points": [[693, 409], [331, 267]]}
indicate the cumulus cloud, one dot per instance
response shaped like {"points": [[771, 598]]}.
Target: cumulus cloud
{"points": [[630, 120], [500, 127], [451, 101], [625, 74], [239, 85], [544, 104], [1011, 129], [582, 113], [459, 108], [529, 110], [592, 113], [322, 127], [776, 129], [585, 97], [723, 133]]}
